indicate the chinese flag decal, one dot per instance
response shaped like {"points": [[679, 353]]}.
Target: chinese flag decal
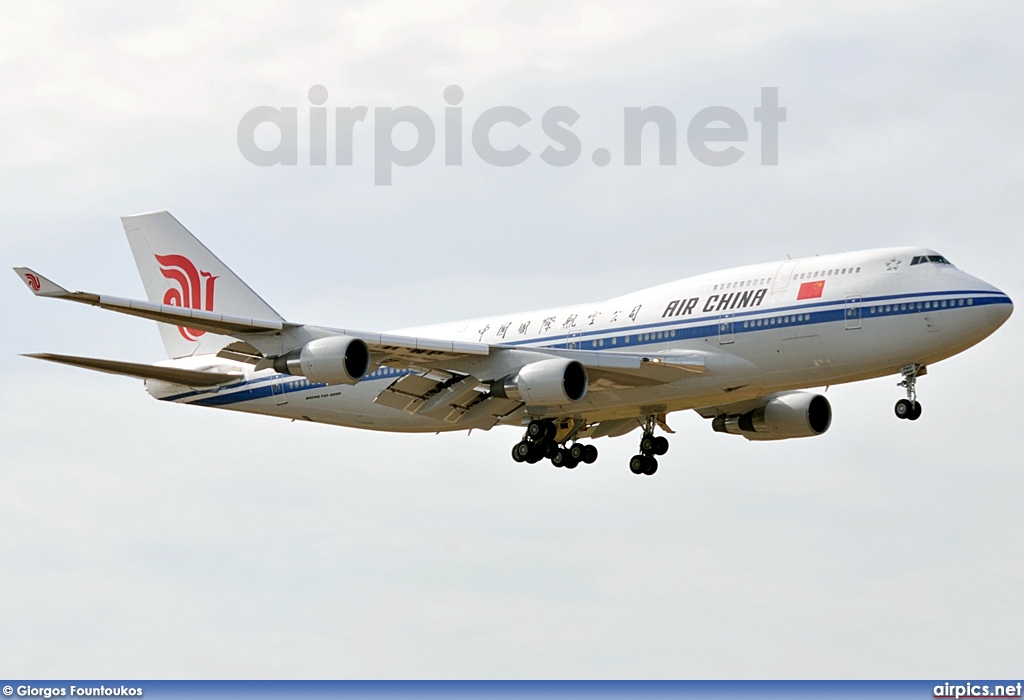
{"points": [[811, 290]]}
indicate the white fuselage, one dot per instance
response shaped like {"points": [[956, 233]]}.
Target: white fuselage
{"points": [[784, 325]]}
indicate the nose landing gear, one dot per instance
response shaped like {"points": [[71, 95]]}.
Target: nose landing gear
{"points": [[910, 408], [650, 445]]}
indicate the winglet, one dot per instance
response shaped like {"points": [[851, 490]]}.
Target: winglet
{"points": [[39, 285]]}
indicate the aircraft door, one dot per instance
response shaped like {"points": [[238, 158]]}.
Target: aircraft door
{"points": [[853, 306], [279, 396], [782, 276], [725, 335]]}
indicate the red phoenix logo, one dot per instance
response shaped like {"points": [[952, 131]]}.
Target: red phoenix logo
{"points": [[33, 281], [190, 292]]}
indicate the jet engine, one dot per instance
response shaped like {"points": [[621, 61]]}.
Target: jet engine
{"points": [[335, 360], [790, 415], [545, 383]]}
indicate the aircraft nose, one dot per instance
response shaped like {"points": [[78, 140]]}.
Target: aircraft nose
{"points": [[999, 312]]}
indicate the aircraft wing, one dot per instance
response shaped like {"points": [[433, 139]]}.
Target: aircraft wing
{"points": [[276, 334], [452, 358], [175, 315], [188, 377]]}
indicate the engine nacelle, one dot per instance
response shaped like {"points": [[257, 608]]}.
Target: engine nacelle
{"points": [[545, 383], [791, 415], [335, 360]]}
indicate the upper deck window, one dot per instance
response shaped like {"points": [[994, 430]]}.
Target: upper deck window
{"points": [[919, 259]]}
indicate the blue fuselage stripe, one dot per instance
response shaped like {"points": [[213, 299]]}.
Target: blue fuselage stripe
{"points": [[652, 333]]}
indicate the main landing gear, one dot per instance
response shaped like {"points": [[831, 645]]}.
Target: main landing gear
{"points": [[910, 408], [650, 445], [539, 443]]}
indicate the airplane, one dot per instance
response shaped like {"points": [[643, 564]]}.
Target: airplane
{"points": [[739, 346]]}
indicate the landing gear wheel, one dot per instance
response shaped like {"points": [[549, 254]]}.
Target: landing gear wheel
{"points": [[536, 453], [589, 454], [660, 445], [652, 466], [909, 408], [561, 458], [638, 464], [576, 452], [521, 451], [647, 444], [550, 448], [537, 429]]}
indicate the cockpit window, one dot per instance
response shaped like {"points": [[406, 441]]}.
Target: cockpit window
{"points": [[938, 259]]}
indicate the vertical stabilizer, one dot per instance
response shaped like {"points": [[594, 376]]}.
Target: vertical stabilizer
{"points": [[178, 270]]}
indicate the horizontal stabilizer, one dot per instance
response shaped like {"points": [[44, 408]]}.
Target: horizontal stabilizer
{"points": [[188, 377]]}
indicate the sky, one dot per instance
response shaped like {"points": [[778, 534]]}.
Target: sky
{"points": [[139, 539]]}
